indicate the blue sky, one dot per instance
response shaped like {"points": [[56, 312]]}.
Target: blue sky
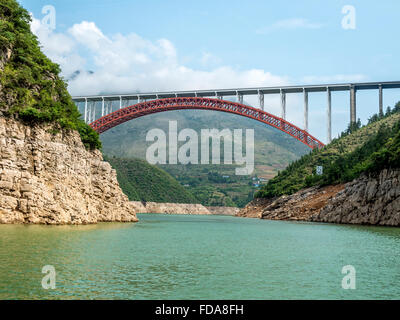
{"points": [[291, 42]]}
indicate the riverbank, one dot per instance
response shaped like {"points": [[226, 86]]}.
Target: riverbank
{"points": [[170, 208], [369, 200], [182, 208], [300, 206]]}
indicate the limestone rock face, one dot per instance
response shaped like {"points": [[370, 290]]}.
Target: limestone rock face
{"points": [[4, 57], [48, 178], [254, 209], [299, 206], [171, 208], [224, 211], [373, 200], [369, 200]]}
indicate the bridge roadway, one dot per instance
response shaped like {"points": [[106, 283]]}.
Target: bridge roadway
{"points": [[122, 99]]}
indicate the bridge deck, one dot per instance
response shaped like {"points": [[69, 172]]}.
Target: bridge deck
{"points": [[107, 101], [244, 91]]}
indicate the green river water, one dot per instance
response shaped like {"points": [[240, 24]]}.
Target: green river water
{"points": [[199, 257]]}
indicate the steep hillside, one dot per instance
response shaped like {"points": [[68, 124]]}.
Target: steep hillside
{"points": [[49, 173], [213, 185], [30, 86], [342, 160], [144, 182], [360, 183]]}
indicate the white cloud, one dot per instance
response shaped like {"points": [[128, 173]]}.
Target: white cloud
{"points": [[208, 59], [167, 47], [289, 24], [129, 63], [59, 47], [87, 34]]}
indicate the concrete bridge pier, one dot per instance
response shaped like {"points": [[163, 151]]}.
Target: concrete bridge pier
{"points": [[283, 104], [85, 115], [380, 100], [239, 97], [90, 111], [93, 108], [261, 100], [329, 115], [353, 107], [305, 109]]}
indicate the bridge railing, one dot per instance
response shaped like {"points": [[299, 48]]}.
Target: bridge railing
{"points": [[95, 107]]}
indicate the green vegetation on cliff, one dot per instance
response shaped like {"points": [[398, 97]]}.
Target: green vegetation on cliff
{"points": [[30, 86], [359, 149], [141, 181]]}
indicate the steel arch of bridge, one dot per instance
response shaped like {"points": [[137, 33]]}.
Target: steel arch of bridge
{"points": [[161, 105]]}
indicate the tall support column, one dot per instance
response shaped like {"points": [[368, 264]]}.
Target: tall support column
{"points": [[102, 107], [239, 97], [138, 99], [353, 106], [329, 115], [380, 100], [85, 116], [93, 111], [305, 110], [283, 105], [90, 112], [261, 100], [120, 102]]}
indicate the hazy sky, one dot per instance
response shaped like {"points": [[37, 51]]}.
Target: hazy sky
{"points": [[182, 45]]}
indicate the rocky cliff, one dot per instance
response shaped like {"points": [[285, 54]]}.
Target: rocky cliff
{"points": [[254, 209], [224, 211], [170, 208], [373, 200], [4, 57], [297, 207], [50, 178]]}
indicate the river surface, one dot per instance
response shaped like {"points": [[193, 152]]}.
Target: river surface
{"points": [[199, 257]]}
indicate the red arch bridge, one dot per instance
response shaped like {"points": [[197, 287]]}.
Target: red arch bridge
{"points": [[149, 103], [161, 105]]}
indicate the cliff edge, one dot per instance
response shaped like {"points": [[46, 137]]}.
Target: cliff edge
{"points": [[51, 169], [170, 208], [370, 199], [51, 178]]}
